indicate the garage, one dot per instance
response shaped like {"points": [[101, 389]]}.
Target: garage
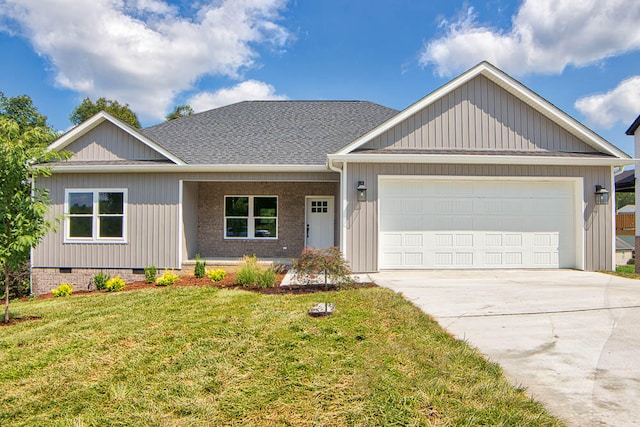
{"points": [[467, 223]]}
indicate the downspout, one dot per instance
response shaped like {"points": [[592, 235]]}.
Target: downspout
{"points": [[343, 205]]}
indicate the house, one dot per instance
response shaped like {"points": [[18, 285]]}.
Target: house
{"points": [[635, 132], [481, 173], [624, 251]]}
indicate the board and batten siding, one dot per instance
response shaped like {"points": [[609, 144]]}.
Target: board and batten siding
{"points": [[479, 115], [152, 224], [108, 142], [361, 221]]}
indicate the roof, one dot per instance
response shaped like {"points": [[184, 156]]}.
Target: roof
{"points": [[510, 85], [621, 245], [626, 181], [634, 126], [268, 132], [627, 209]]}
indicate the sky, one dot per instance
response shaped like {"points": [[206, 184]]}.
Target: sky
{"points": [[581, 55]]}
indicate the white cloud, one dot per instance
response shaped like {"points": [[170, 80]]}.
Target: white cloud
{"points": [[143, 52], [545, 37], [621, 104], [250, 90]]}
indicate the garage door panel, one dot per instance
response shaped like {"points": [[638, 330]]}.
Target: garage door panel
{"points": [[478, 226]]}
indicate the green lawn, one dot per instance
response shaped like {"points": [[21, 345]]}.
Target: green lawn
{"points": [[189, 356]]}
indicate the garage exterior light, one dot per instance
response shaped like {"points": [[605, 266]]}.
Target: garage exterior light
{"points": [[602, 195], [362, 191]]}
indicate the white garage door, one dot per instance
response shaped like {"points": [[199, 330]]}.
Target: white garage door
{"points": [[431, 223]]}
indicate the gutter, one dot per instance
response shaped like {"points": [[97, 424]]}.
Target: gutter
{"points": [[483, 159], [99, 168]]}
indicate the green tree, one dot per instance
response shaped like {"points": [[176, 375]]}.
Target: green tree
{"points": [[88, 108], [21, 110], [624, 199], [180, 111], [23, 206]]}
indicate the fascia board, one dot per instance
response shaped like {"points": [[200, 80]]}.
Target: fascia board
{"points": [[71, 168], [99, 118], [512, 86], [480, 159]]}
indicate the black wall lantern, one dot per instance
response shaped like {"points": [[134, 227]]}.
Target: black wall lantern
{"points": [[602, 195], [362, 191]]}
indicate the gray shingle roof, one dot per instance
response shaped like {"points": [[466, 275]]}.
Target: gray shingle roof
{"points": [[268, 132]]}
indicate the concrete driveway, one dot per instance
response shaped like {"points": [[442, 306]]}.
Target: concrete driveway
{"points": [[571, 337]]}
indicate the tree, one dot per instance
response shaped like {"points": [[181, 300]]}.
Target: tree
{"points": [[23, 206], [624, 199], [21, 110], [88, 108], [180, 111]]}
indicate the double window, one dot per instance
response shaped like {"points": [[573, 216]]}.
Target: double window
{"points": [[95, 215], [251, 217]]}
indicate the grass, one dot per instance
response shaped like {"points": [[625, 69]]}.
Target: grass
{"points": [[628, 271], [202, 356]]}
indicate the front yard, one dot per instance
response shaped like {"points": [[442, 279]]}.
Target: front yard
{"points": [[205, 356]]}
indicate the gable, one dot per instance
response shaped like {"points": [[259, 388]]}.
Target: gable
{"points": [[479, 115], [107, 142]]}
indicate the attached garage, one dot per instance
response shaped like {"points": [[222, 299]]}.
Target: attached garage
{"points": [[472, 222]]}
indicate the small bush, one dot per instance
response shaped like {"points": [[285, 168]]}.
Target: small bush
{"points": [[115, 284], [249, 271], [216, 275], [167, 278], [150, 273], [632, 261], [323, 262], [100, 280], [267, 278], [63, 290], [199, 271]]}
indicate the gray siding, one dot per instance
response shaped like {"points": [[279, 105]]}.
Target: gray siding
{"points": [[362, 218], [109, 142], [479, 115], [151, 221]]}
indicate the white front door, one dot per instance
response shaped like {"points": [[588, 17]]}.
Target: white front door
{"points": [[319, 222]]}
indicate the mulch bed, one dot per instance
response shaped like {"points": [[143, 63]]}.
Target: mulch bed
{"points": [[229, 282]]}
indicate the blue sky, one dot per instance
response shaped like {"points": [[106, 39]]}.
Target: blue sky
{"points": [[155, 54]]}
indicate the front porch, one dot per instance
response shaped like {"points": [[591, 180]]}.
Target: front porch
{"points": [[222, 221]]}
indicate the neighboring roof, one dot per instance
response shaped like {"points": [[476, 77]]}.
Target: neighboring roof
{"points": [[629, 240], [98, 119], [621, 245], [268, 132], [634, 126], [626, 182], [510, 85], [627, 209]]}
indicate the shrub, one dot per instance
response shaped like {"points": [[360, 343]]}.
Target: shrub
{"points": [[324, 262], [115, 284], [167, 278], [632, 261], [63, 290], [100, 280], [266, 278], [200, 267], [150, 273], [249, 271], [18, 282], [216, 275]]}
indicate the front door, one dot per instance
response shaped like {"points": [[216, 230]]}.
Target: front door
{"points": [[319, 222]]}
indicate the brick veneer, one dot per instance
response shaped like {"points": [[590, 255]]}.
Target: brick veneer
{"points": [[45, 279], [291, 220]]}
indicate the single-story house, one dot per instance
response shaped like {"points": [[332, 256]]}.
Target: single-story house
{"points": [[481, 173]]}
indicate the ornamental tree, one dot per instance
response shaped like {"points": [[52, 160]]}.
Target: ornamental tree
{"points": [[23, 206]]}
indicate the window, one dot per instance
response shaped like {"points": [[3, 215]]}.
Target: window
{"points": [[95, 215], [251, 217]]}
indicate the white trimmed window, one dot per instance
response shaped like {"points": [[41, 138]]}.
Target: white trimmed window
{"points": [[250, 217], [95, 215]]}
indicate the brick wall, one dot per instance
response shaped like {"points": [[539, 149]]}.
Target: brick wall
{"points": [[45, 279], [291, 217]]}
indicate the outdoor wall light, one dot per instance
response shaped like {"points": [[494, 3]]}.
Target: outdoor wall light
{"points": [[362, 191], [602, 195]]}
